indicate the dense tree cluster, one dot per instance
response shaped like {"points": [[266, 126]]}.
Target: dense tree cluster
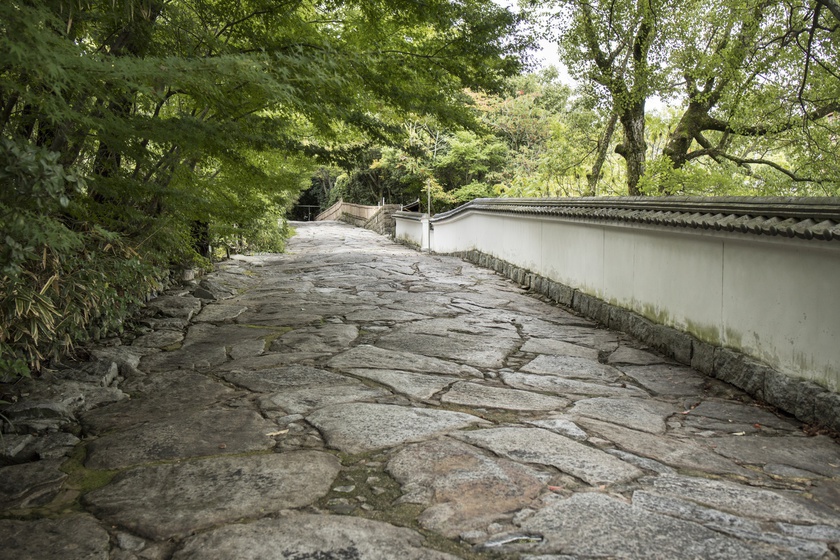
{"points": [[135, 134], [748, 103]]}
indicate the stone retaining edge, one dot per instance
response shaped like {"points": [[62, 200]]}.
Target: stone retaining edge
{"points": [[803, 399]]}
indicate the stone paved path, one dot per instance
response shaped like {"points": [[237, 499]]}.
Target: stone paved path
{"points": [[355, 399]]}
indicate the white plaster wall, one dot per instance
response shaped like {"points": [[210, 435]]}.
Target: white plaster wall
{"points": [[775, 299], [409, 229]]}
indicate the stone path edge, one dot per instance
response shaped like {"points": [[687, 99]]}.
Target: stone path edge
{"points": [[807, 401]]}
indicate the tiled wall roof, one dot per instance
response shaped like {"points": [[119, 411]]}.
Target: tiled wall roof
{"points": [[805, 218]]}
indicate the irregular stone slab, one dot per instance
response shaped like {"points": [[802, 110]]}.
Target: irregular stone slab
{"points": [[274, 379], [165, 395], [563, 386], [561, 426], [819, 454], [740, 413], [739, 527], [361, 427], [669, 380], [175, 500], [462, 348], [183, 434], [647, 416], [306, 399], [158, 339], [220, 313], [327, 338], [641, 462], [305, 536], [267, 361], [558, 348], [671, 451], [371, 357], [633, 356], [535, 445], [194, 356], [465, 489], [30, 484], [383, 314], [415, 385], [591, 525], [741, 500], [181, 307], [475, 394], [71, 537], [570, 366]]}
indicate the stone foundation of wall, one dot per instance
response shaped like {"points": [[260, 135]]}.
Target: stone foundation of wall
{"points": [[803, 399]]}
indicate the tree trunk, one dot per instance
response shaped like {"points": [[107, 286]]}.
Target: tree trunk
{"points": [[603, 147], [633, 148]]}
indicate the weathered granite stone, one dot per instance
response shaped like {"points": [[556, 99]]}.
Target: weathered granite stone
{"points": [[360, 427], [563, 386], [16, 448], [671, 342], [726, 523], [475, 394], [827, 409], [797, 396], [818, 454], [159, 339], [181, 307], [415, 385], [641, 462], [30, 484], [182, 434], [127, 358], [326, 338], [737, 369], [70, 537], [738, 499], [29, 416], [220, 313], [214, 288], [561, 426], [52, 445], [703, 357], [465, 489], [570, 366], [175, 500], [669, 380], [101, 372], [462, 348], [597, 525], [535, 445], [558, 348], [678, 453], [315, 537], [645, 415], [366, 356], [193, 356], [302, 400], [165, 394], [274, 379], [625, 355], [737, 413]]}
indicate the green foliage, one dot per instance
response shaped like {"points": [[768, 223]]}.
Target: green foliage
{"points": [[137, 134]]}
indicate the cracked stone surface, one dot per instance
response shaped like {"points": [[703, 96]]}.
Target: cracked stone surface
{"points": [[464, 488], [313, 537], [355, 399], [173, 500]]}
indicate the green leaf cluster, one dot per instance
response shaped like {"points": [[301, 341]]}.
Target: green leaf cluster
{"points": [[139, 134]]}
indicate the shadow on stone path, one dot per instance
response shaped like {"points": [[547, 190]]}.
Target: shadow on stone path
{"points": [[355, 399]]}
